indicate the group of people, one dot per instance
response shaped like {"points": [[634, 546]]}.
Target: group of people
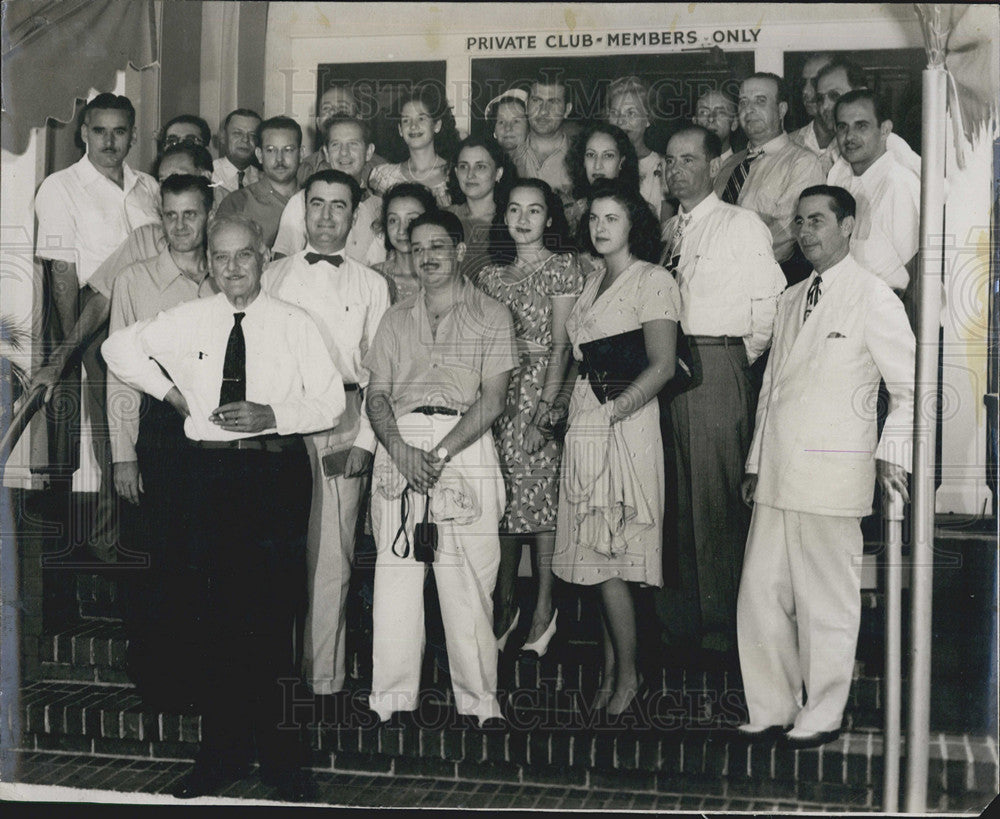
{"points": [[493, 341]]}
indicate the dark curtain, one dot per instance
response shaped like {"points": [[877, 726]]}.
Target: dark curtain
{"points": [[55, 51]]}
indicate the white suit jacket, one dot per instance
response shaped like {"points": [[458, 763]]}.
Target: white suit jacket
{"points": [[814, 444]]}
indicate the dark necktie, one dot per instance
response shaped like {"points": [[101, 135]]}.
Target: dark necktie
{"points": [[736, 179], [234, 367], [335, 260], [812, 297], [239, 178]]}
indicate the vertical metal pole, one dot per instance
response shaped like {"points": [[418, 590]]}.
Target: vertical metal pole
{"points": [[893, 651], [932, 200]]}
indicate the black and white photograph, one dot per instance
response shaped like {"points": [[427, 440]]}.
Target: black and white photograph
{"points": [[500, 406]]}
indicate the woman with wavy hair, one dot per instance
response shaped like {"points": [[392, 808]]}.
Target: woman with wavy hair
{"points": [[401, 204], [623, 332], [600, 151], [535, 275], [427, 126]]}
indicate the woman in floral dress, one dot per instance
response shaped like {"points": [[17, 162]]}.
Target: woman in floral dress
{"points": [[538, 279], [628, 303]]}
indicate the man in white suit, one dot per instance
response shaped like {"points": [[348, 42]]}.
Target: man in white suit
{"points": [[810, 474]]}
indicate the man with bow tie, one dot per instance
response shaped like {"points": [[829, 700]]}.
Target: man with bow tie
{"points": [[810, 475], [729, 283], [346, 300]]}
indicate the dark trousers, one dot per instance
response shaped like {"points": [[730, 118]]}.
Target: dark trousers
{"points": [[712, 428], [250, 513], [163, 592]]}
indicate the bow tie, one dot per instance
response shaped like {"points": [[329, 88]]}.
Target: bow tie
{"points": [[336, 261]]}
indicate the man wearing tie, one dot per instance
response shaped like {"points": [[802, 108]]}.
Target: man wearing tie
{"points": [[249, 374], [729, 284], [237, 140], [768, 175], [810, 475], [346, 300]]}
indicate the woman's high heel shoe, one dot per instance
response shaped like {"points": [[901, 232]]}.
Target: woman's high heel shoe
{"points": [[541, 645], [502, 639]]}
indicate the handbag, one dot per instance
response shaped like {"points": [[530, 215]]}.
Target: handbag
{"points": [[613, 362]]}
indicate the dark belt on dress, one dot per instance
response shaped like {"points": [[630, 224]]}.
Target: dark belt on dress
{"points": [[428, 410], [259, 443], [351, 387], [721, 341]]}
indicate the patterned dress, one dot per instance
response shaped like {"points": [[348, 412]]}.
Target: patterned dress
{"points": [[386, 176], [399, 287], [642, 293], [532, 480]]}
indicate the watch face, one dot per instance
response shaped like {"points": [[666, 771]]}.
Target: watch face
{"points": [[442, 453]]}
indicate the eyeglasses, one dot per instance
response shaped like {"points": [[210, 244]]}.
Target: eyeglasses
{"points": [[190, 139]]}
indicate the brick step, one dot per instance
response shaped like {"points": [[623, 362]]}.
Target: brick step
{"points": [[563, 681], [108, 720]]}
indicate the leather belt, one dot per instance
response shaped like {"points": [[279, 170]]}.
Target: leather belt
{"points": [[260, 443], [428, 410], [351, 387], [722, 341]]}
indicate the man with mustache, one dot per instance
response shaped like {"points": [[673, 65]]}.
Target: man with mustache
{"points": [[84, 213], [768, 175], [346, 300], [886, 233], [280, 141]]}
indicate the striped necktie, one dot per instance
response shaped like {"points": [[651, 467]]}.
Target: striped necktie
{"points": [[683, 220], [239, 178], [812, 297], [736, 179]]}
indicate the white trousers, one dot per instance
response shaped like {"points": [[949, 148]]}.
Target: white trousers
{"points": [[465, 571], [797, 617], [329, 554]]}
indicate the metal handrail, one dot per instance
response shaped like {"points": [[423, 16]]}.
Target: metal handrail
{"points": [[892, 738], [31, 402]]}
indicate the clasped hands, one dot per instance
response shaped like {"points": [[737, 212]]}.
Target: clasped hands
{"points": [[420, 469]]}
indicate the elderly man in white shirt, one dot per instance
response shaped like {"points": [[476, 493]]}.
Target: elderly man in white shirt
{"points": [[347, 300], [886, 233], [717, 112], [768, 175], [348, 148], [84, 213], [729, 285], [250, 374]]}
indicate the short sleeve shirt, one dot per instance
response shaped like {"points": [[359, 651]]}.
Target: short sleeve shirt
{"points": [[474, 342]]}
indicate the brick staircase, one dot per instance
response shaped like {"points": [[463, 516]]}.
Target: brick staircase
{"points": [[81, 702]]}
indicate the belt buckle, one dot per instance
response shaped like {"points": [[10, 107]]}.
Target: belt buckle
{"points": [[243, 443]]}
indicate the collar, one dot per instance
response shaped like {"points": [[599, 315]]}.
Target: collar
{"points": [[224, 308], [89, 175], [772, 146], [702, 209], [832, 272], [419, 309], [563, 145], [165, 272], [877, 170]]}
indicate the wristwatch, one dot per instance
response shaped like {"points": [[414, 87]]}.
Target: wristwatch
{"points": [[442, 454]]}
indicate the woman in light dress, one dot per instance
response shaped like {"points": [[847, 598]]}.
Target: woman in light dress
{"points": [[628, 298], [427, 126]]}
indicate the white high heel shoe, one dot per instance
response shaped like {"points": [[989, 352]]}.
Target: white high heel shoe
{"points": [[502, 639], [541, 645]]}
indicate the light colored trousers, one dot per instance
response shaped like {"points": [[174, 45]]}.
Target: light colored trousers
{"points": [[329, 553], [465, 571], [798, 615]]}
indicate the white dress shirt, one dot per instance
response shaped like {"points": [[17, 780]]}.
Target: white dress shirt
{"points": [[729, 280], [887, 226], [773, 185], [895, 144], [347, 304], [718, 162], [287, 364], [364, 242], [225, 173], [83, 216]]}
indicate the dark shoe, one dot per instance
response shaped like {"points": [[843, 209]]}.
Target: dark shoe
{"points": [[808, 739], [753, 733], [205, 779], [292, 784]]}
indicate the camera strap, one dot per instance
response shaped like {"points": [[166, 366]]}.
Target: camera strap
{"points": [[404, 514]]}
